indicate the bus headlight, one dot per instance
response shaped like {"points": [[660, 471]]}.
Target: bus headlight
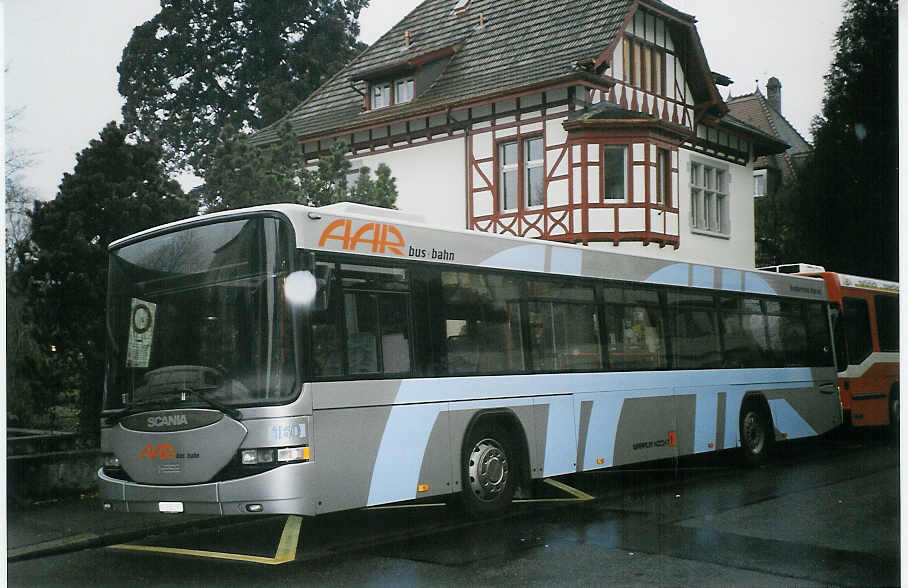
{"points": [[269, 455], [111, 461]]}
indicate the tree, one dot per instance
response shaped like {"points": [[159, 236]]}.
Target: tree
{"points": [[118, 187], [201, 65], [243, 175], [19, 197], [24, 361], [846, 212]]}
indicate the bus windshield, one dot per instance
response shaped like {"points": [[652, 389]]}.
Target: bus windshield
{"points": [[197, 316]]}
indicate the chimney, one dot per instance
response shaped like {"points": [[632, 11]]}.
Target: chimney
{"points": [[774, 93]]}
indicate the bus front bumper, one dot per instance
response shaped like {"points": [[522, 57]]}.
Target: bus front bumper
{"points": [[284, 490]]}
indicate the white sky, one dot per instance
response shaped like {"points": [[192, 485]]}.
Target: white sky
{"points": [[62, 57]]}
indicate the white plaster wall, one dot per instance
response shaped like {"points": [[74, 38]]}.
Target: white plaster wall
{"points": [[431, 180]]}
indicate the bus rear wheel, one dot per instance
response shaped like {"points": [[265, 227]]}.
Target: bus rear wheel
{"points": [[489, 471], [756, 434]]}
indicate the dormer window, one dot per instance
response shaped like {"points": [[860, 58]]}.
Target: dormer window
{"points": [[403, 90], [382, 94]]}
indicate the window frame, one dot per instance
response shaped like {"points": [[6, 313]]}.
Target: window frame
{"points": [[380, 90], [644, 65], [663, 177], [407, 83], [710, 203], [857, 333], [521, 168], [761, 180], [625, 169]]}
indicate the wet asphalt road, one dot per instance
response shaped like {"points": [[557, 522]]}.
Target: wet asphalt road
{"points": [[823, 512]]}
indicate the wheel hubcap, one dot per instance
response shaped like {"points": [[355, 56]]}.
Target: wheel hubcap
{"points": [[754, 434], [488, 470]]}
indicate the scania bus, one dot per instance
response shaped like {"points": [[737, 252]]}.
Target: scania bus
{"points": [[286, 359]]}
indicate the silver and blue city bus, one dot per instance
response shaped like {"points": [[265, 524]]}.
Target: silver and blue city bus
{"points": [[286, 359]]}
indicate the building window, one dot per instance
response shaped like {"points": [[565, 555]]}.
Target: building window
{"points": [[508, 180], [709, 199], [403, 91], [521, 160], [760, 182], [614, 172], [643, 65], [381, 95], [533, 171], [663, 177]]}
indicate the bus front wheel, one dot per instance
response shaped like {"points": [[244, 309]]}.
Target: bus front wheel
{"points": [[489, 470], [756, 434]]}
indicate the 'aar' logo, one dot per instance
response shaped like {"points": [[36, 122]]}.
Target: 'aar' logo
{"points": [[378, 236]]}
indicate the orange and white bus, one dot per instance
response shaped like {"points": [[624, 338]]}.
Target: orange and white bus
{"points": [[868, 344]]}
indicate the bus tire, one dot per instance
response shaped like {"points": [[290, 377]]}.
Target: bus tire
{"points": [[490, 470], [756, 433], [894, 411]]}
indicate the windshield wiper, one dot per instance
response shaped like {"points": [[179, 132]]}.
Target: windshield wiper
{"points": [[199, 392]]}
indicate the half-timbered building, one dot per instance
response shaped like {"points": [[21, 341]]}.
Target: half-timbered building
{"points": [[596, 122]]}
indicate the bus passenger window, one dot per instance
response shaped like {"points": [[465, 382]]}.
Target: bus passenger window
{"points": [[362, 332], [887, 321], [857, 329], [634, 329], [696, 331], [482, 321], [744, 333], [376, 308], [395, 343], [564, 327], [819, 352], [787, 332]]}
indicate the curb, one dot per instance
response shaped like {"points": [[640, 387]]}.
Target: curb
{"points": [[91, 540]]}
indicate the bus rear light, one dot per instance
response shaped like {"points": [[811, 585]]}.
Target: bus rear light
{"points": [[269, 455]]}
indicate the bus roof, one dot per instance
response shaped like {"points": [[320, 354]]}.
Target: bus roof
{"points": [[366, 230], [864, 283]]}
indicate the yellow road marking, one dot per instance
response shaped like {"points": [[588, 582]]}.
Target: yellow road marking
{"points": [[286, 549], [579, 495], [390, 506]]}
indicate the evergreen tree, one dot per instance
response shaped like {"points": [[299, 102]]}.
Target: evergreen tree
{"points": [[243, 175], [201, 65], [118, 187], [846, 212]]}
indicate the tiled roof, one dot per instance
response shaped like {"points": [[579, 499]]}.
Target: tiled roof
{"points": [[520, 43], [756, 110]]}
